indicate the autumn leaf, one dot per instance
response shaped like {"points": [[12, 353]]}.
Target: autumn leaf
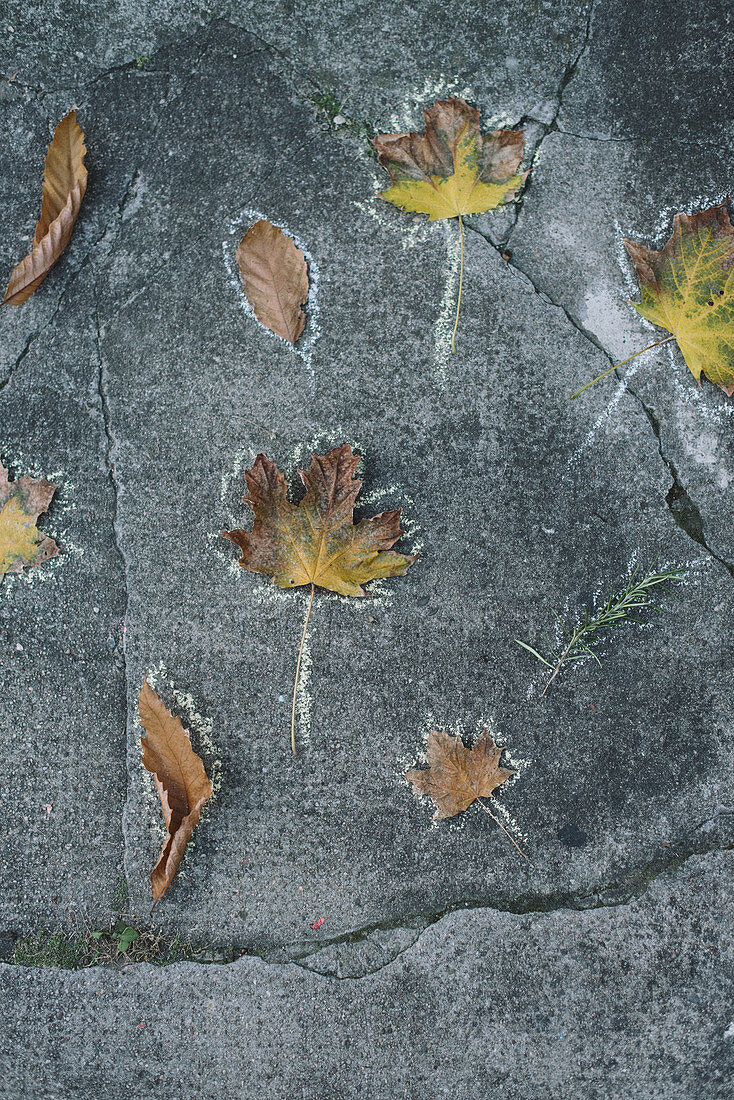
{"points": [[457, 776], [180, 779], [452, 169], [688, 290], [64, 184], [316, 542], [21, 503], [275, 277]]}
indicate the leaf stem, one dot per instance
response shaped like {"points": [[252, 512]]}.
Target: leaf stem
{"points": [[558, 667], [504, 830], [298, 672], [627, 360], [461, 282]]}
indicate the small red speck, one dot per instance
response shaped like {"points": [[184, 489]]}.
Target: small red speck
{"points": [[141, 1024], [317, 923]]}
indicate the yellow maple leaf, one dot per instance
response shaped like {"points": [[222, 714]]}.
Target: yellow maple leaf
{"points": [[21, 503], [316, 542], [452, 169], [688, 289]]}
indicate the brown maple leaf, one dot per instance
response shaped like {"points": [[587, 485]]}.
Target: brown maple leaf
{"points": [[275, 277], [21, 503], [182, 784], [64, 184], [317, 542], [457, 776]]}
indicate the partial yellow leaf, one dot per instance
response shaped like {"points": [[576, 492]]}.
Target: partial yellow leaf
{"points": [[21, 503], [688, 289], [180, 779], [452, 169], [64, 184]]}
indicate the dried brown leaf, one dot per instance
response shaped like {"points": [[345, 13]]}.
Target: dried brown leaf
{"points": [[275, 277], [457, 776], [21, 503], [64, 184], [182, 784]]}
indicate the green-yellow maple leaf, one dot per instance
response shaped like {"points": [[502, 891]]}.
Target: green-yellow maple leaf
{"points": [[688, 289], [452, 169]]}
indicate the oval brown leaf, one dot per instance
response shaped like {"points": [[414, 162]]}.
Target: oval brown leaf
{"points": [[64, 184], [275, 277], [182, 784]]}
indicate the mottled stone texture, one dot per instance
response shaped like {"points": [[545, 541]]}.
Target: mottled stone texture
{"points": [[137, 380]]}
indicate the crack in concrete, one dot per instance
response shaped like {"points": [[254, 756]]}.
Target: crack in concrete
{"points": [[111, 446], [632, 140], [134, 66], [610, 896], [547, 128], [618, 893], [38, 332], [28, 345], [682, 507], [678, 500]]}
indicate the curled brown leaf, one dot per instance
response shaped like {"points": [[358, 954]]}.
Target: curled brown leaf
{"points": [[182, 784], [64, 184]]}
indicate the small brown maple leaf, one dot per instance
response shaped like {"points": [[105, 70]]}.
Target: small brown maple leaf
{"points": [[182, 784], [457, 776], [317, 541], [21, 503]]}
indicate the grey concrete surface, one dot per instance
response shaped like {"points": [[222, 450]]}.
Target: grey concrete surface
{"points": [[614, 1002], [138, 378]]}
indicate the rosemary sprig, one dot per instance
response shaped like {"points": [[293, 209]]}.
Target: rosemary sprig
{"points": [[620, 605]]}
